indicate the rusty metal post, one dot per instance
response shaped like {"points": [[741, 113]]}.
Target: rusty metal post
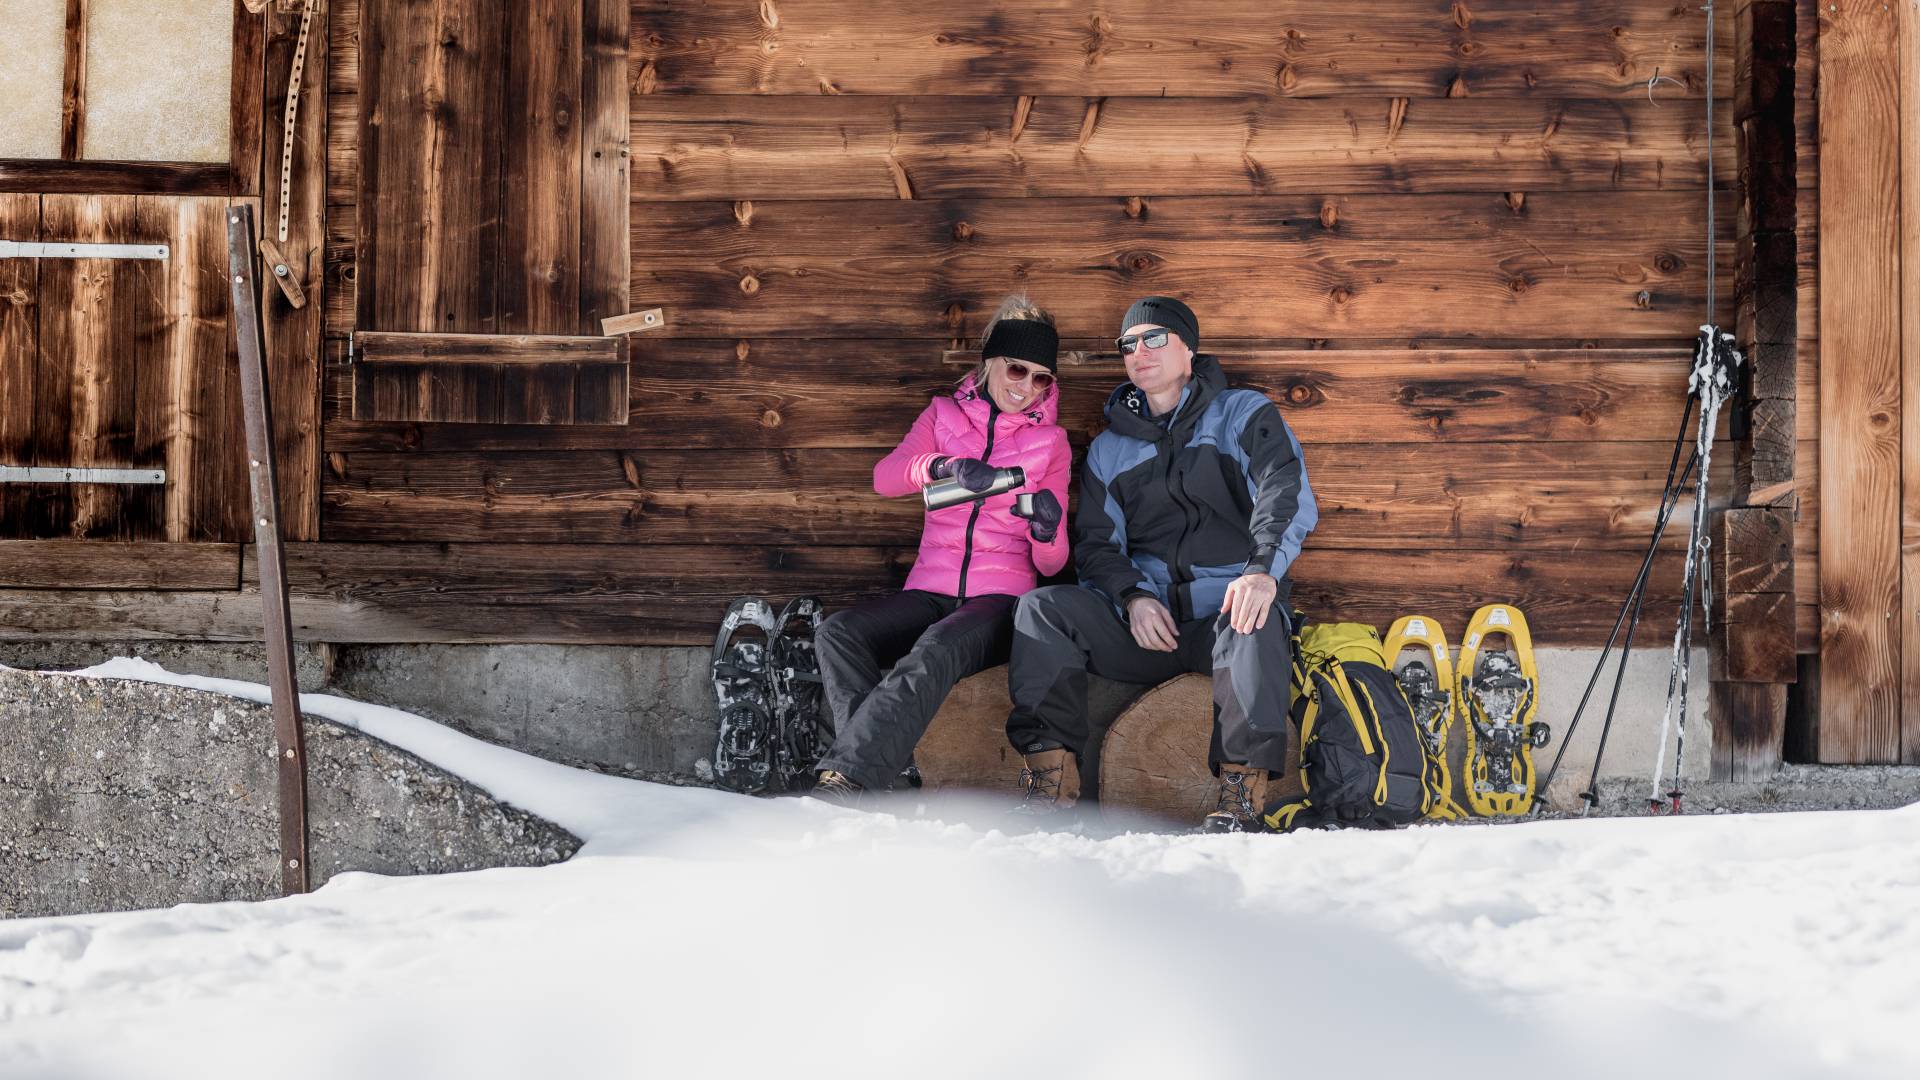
{"points": [[290, 752]]}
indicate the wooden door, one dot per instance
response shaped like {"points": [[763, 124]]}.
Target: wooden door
{"points": [[120, 364]]}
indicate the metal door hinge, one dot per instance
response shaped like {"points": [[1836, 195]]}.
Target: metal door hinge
{"points": [[35, 474], [17, 249]]}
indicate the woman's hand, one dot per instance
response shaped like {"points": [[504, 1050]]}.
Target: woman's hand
{"points": [[1249, 598], [1152, 624], [973, 474], [1043, 522]]}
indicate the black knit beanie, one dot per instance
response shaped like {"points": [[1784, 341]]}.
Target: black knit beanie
{"points": [[1029, 340], [1168, 312]]}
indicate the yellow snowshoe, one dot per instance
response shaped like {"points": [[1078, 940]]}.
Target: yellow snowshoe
{"points": [[1427, 681], [1499, 690]]}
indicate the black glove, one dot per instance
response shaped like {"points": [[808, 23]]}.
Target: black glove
{"points": [[1044, 521], [973, 474]]}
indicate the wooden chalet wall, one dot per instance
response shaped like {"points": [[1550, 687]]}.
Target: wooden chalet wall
{"points": [[1457, 242], [1461, 243]]}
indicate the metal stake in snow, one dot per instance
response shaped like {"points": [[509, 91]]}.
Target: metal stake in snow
{"points": [[1714, 362]]}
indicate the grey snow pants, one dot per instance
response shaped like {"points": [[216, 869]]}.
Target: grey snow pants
{"points": [[1062, 632]]}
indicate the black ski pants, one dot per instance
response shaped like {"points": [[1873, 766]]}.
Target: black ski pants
{"points": [[1062, 632], [931, 641]]}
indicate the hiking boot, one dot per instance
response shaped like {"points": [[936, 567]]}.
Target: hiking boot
{"points": [[838, 789], [1242, 799], [1052, 783]]}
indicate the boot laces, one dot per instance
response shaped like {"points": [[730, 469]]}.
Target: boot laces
{"points": [[1234, 798], [1043, 785], [833, 783]]}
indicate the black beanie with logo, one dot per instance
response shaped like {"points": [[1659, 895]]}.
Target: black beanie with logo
{"points": [[1164, 311]]}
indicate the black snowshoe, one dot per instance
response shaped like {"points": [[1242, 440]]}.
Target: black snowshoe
{"points": [[767, 691]]}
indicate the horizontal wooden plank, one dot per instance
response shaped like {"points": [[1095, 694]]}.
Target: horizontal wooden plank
{"points": [[718, 147], [88, 564], [1619, 265], [780, 393], [675, 595], [1498, 496], [1418, 48], [116, 177], [371, 346], [548, 393]]}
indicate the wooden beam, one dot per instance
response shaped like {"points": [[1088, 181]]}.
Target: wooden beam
{"points": [[782, 393], [94, 564], [1465, 266], [73, 84], [490, 379], [190, 423], [115, 177], [378, 347], [1748, 730], [1860, 384], [1752, 551], [713, 147], [19, 359], [1298, 48], [1909, 302], [606, 264], [101, 357], [245, 143], [1477, 496], [674, 594], [537, 279]]}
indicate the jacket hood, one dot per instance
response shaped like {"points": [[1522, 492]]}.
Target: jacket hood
{"points": [[975, 403], [1127, 405]]}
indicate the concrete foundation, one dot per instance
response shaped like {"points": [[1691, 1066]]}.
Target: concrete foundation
{"points": [[117, 794], [648, 712], [1634, 739]]}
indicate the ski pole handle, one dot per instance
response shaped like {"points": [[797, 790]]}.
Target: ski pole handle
{"points": [[951, 492]]}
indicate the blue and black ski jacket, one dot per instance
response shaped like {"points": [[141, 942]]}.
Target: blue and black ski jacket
{"points": [[1178, 506]]}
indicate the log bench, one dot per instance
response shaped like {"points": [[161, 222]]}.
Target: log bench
{"points": [[1146, 760]]}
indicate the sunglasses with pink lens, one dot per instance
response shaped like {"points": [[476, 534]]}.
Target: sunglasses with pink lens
{"points": [[1017, 371]]}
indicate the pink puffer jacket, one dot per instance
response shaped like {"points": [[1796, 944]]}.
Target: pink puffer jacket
{"points": [[981, 548]]}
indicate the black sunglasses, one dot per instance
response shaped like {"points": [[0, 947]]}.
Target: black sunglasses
{"points": [[1152, 339], [1017, 371]]}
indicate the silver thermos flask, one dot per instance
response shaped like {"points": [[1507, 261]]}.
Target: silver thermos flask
{"points": [[951, 492]]}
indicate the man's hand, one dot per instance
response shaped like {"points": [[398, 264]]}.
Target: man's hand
{"points": [[1152, 624], [1248, 601]]}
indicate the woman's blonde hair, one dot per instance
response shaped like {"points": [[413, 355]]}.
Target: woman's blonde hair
{"points": [[1015, 306]]}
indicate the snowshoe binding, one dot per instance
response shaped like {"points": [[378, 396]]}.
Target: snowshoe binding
{"points": [[1427, 681], [745, 751], [799, 697], [1499, 691]]}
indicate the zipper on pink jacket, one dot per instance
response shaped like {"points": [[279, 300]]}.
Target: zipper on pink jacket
{"points": [[986, 455]]}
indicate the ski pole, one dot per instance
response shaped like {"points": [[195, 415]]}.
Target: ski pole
{"points": [[1669, 500], [1591, 796]]}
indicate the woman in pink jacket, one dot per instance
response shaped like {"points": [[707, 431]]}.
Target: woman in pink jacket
{"points": [[956, 616]]}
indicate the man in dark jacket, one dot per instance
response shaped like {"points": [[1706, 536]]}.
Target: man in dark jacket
{"points": [[1193, 503]]}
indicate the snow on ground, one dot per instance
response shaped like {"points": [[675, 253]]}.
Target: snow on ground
{"points": [[705, 932]]}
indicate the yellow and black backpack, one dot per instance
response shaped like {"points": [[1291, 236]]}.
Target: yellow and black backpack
{"points": [[1362, 758]]}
